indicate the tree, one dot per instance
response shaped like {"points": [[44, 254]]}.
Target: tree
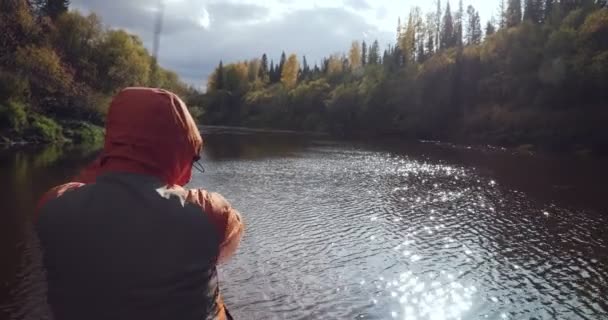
{"points": [[305, 69], [477, 32], [548, 10], [272, 72], [513, 13], [354, 55], [438, 26], [363, 53], [474, 32], [448, 39], [281, 65], [263, 75], [502, 15], [219, 76], [533, 11], [458, 28], [253, 70], [407, 42], [123, 61], [399, 30], [490, 28], [374, 53], [334, 65], [54, 8], [289, 74], [470, 24], [430, 34]]}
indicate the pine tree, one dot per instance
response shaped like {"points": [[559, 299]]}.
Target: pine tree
{"points": [[438, 26], [458, 30], [533, 11], [272, 72], [477, 32], [430, 44], [374, 53], [447, 32], [281, 65], [219, 76], [490, 27], [407, 43], [502, 15], [363, 53], [399, 30], [470, 24], [430, 34], [513, 13], [38, 6], [305, 68], [548, 10], [263, 72]]}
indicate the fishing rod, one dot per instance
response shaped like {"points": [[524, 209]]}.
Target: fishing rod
{"points": [[158, 27]]}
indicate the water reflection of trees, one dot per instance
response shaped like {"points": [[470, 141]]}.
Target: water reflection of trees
{"points": [[252, 146], [28, 172]]}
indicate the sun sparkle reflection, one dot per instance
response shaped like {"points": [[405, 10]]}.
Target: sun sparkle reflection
{"points": [[442, 298]]}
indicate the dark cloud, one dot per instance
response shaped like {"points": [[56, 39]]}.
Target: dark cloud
{"points": [[237, 32], [358, 4]]}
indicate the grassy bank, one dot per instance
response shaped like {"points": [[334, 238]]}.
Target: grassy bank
{"points": [[21, 126]]}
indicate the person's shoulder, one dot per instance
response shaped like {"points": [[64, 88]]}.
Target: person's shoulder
{"points": [[210, 202]]}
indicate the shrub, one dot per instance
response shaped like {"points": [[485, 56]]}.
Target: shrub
{"points": [[83, 133], [45, 129], [13, 116]]}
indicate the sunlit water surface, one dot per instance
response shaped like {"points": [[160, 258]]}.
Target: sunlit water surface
{"points": [[338, 230]]}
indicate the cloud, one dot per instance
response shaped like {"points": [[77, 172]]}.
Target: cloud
{"points": [[196, 36], [357, 4], [381, 13], [228, 12]]}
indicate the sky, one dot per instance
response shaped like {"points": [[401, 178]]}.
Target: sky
{"points": [[197, 34]]}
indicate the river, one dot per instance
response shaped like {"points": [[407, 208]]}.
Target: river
{"points": [[368, 229]]}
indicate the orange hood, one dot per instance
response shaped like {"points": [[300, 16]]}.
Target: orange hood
{"points": [[148, 131]]}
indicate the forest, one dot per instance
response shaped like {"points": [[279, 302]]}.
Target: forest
{"points": [[536, 75], [59, 70]]}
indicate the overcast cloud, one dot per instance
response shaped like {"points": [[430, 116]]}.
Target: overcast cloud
{"points": [[198, 33]]}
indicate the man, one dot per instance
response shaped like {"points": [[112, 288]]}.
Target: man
{"points": [[127, 241]]}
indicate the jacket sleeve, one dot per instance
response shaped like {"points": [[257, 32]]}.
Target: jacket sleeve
{"points": [[55, 193], [226, 219]]}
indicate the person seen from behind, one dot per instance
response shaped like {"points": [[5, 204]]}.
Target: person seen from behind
{"points": [[126, 240]]}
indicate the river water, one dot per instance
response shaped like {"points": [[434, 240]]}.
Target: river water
{"points": [[369, 230]]}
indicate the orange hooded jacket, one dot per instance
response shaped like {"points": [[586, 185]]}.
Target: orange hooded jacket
{"points": [[116, 209]]}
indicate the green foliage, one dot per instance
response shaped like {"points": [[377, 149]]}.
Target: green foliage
{"points": [[83, 133], [541, 81], [594, 31], [123, 61], [13, 86], [43, 67], [64, 65], [13, 116], [45, 129]]}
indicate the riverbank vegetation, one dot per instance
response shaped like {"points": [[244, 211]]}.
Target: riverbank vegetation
{"points": [[59, 70], [537, 74]]}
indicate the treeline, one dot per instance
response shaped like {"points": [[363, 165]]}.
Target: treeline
{"points": [[535, 74], [59, 70]]}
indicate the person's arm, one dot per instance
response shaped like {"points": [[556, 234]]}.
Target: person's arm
{"points": [[226, 219], [55, 193]]}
